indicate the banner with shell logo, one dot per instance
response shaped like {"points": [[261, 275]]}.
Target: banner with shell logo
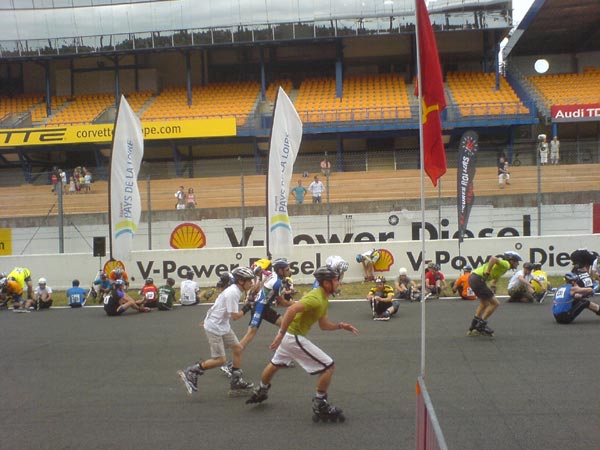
{"points": [[187, 235], [111, 265], [385, 261]]}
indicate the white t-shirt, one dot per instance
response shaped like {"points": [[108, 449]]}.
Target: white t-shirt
{"points": [[39, 291], [227, 303], [316, 188], [188, 292], [514, 280]]}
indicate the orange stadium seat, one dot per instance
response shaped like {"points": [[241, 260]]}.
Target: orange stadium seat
{"points": [[568, 88], [363, 98], [476, 95]]}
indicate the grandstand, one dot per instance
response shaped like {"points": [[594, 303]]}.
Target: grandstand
{"points": [[344, 188], [351, 82]]}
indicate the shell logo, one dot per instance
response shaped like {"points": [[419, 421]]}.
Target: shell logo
{"points": [[385, 261], [187, 235], [111, 265]]}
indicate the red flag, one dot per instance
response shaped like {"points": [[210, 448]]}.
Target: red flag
{"points": [[433, 100]]}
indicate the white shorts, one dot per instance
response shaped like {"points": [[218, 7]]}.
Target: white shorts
{"points": [[310, 357], [218, 344]]}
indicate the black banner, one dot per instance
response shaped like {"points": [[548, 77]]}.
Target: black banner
{"points": [[467, 159]]}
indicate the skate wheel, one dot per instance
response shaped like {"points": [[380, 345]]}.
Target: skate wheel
{"points": [[315, 418]]}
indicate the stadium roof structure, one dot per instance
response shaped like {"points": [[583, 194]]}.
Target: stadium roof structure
{"points": [[557, 26]]}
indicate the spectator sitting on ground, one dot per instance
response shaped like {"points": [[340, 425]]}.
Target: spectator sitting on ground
{"points": [[43, 295], [540, 283], [118, 301], [11, 290], [435, 281], [519, 287], [571, 299], [461, 285], [166, 295], [381, 299], [149, 293], [188, 291], [76, 295], [101, 286], [406, 288]]}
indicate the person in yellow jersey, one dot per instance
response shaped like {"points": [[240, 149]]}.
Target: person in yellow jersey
{"points": [[490, 271], [22, 275], [291, 343], [540, 283]]}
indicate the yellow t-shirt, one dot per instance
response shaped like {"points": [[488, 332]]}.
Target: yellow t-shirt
{"points": [[21, 275], [316, 306]]}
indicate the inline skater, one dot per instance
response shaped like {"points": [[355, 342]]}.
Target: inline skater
{"points": [[338, 263], [272, 292], [571, 299], [291, 343], [490, 271], [220, 335]]}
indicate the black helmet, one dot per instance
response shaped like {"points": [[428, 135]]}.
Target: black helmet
{"points": [[149, 280], [527, 265], [242, 273], [325, 273], [583, 257], [225, 279], [380, 279], [537, 266], [512, 255], [280, 263]]}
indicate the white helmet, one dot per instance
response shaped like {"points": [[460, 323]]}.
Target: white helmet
{"points": [[343, 266], [242, 273], [42, 281], [402, 271]]}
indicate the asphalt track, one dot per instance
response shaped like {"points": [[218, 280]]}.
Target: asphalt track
{"points": [[77, 379]]}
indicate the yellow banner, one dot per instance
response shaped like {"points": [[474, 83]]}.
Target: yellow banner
{"points": [[83, 134], [5, 241]]}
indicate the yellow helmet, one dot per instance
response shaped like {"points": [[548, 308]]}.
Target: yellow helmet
{"points": [[263, 263]]}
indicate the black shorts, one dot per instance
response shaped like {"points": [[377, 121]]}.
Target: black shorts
{"points": [[479, 287], [113, 311], [265, 312]]}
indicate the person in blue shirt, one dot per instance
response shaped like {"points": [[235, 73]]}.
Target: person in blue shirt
{"points": [[570, 300], [101, 286], [76, 295], [299, 192]]}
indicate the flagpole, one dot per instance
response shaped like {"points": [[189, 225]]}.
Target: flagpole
{"points": [[267, 225], [112, 151], [422, 178]]}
